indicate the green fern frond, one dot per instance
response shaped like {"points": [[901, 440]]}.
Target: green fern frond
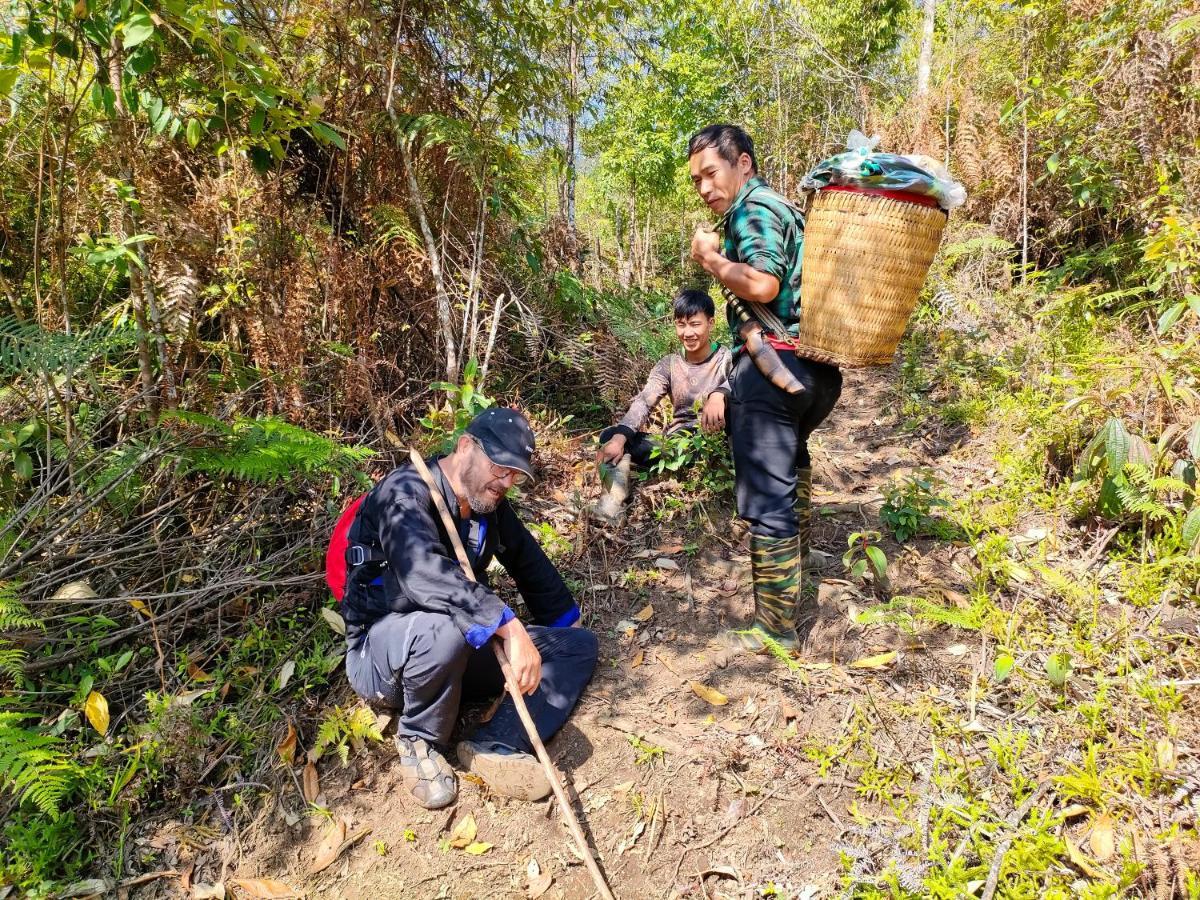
{"points": [[908, 611], [266, 450], [26, 346], [364, 725], [12, 659], [34, 767], [343, 728], [394, 226], [14, 616]]}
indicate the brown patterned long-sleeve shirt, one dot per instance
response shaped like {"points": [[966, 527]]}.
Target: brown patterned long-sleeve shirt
{"points": [[685, 383]]}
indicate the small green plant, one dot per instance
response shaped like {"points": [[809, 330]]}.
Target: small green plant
{"points": [[775, 649], [40, 852], [463, 403], [908, 508], [343, 729], [381, 848], [18, 443], [863, 554], [646, 753], [702, 455], [555, 545], [1058, 669]]}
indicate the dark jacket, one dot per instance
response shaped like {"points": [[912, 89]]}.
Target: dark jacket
{"points": [[422, 571]]}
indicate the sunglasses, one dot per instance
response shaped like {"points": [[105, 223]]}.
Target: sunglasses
{"points": [[518, 477]]}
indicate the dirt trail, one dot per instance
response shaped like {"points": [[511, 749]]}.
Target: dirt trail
{"points": [[723, 793]]}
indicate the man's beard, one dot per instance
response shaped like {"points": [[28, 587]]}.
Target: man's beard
{"points": [[481, 500], [481, 505]]}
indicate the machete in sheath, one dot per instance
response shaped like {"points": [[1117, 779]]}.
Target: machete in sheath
{"points": [[765, 359]]}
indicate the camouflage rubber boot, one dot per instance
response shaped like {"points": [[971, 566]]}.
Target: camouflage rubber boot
{"points": [[811, 559], [775, 566]]}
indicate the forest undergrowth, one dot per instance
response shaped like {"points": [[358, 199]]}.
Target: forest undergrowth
{"points": [[250, 253], [1043, 563]]}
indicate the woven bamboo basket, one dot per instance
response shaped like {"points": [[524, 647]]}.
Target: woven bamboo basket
{"points": [[865, 260]]}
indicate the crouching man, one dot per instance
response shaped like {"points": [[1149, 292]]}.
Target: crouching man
{"points": [[417, 629]]}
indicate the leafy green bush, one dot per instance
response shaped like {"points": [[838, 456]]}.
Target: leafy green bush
{"points": [[1138, 481], [702, 459], [908, 506], [462, 404]]}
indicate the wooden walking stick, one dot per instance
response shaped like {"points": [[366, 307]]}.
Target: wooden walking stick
{"points": [[510, 681]]}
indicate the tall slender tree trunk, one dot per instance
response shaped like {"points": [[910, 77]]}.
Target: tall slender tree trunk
{"points": [[435, 266], [445, 325], [145, 303], [925, 59], [573, 66]]}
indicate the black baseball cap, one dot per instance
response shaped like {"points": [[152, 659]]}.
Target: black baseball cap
{"points": [[506, 438]]}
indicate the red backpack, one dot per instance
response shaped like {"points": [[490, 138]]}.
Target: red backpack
{"points": [[335, 556]]}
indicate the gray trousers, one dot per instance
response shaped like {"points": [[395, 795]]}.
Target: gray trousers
{"points": [[420, 664]]}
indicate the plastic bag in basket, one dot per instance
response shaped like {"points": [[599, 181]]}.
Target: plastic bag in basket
{"points": [[860, 166]]}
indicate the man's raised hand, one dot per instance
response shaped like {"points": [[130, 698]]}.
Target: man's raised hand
{"points": [[704, 244], [522, 655], [612, 451], [712, 415]]}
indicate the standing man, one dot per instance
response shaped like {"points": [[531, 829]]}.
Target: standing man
{"points": [[774, 407], [417, 629]]}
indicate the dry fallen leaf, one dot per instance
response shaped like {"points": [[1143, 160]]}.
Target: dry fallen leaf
{"points": [[1165, 751], [532, 869], [96, 709], [312, 782], [287, 747], [334, 619], [637, 659], [1080, 861], [197, 674], [464, 832], [286, 672], [669, 564], [958, 650], [204, 891], [539, 885], [328, 851], [140, 606], [477, 848], [92, 887], [1103, 842], [878, 661], [187, 698], [644, 614], [708, 694], [263, 887]]}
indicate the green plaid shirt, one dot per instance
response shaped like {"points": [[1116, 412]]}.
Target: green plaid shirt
{"points": [[765, 231]]}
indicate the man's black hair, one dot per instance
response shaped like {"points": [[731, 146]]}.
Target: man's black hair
{"points": [[690, 302], [730, 141]]}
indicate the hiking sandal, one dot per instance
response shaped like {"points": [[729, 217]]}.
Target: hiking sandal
{"points": [[504, 770], [426, 773]]}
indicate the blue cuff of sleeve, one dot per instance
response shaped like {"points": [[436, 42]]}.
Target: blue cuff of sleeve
{"points": [[567, 619], [478, 635]]}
